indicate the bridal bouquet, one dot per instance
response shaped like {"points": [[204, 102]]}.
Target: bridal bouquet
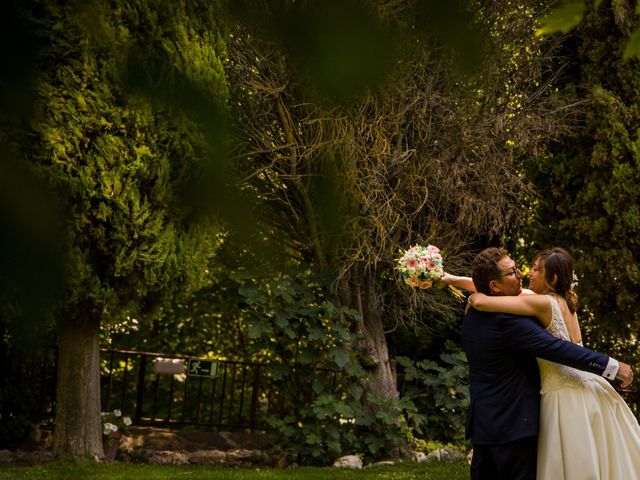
{"points": [[420, 266]]}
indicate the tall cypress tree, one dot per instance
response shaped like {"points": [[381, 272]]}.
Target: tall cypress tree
{"points": [[127, 116]]}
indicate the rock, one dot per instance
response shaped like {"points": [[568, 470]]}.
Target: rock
{"points": [[419, 457], [36, 457], [348, 461], [283, 460], [167, 457], [245, 457], [239, 454], [7, 456], [446, 454], [228, 437], [159, 440], [163, 446], [208, 457], [382, 463], [42, 456], [165, 439]]}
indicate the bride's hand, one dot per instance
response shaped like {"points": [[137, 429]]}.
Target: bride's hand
{"points": [[625, 374], [475, 298]]}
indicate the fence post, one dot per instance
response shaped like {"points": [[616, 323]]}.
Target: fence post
{"points": [[140, 388], [254, 399], [110, 384]]}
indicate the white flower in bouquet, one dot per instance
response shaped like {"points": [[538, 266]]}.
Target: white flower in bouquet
{"points": [[420, 266]]}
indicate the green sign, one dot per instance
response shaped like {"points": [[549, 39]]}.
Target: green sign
{"points": [[202, 368]]}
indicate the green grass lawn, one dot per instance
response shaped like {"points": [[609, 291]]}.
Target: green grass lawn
{"points": [[125, 471]]}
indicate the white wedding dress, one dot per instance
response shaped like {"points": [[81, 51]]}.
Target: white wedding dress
{"points": [[587, 431]]}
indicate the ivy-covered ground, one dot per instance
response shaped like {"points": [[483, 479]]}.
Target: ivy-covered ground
{"points": [[125, 471]]}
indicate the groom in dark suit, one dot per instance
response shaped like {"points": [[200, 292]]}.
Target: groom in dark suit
{"points": [[504, 411]]}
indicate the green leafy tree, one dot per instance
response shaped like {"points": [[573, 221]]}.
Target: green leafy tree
{"points": [[417, 153], [120, 159], [589, 181]]}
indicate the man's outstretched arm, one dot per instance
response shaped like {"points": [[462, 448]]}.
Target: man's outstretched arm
{"points": [[525, 333]]}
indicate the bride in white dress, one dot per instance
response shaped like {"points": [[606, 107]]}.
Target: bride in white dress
{"points": [[587, 431]]}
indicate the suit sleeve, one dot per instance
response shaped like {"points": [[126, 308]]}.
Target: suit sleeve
{"points": [[526, 334]]}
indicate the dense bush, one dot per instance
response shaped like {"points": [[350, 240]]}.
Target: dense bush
{"points": [[322, 409], [440, 392]]}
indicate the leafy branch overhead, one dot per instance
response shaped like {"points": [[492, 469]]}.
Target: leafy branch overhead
{"points": [[570, 14]]}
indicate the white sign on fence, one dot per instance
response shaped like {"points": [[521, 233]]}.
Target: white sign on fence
{"points": [[168, 366]]}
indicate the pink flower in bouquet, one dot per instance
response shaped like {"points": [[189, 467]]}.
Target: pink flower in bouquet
{"points": [[420, 266]]}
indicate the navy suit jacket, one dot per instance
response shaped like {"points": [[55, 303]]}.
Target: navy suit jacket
{"points": [[504, 376]]}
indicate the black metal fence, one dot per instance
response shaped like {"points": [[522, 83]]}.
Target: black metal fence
{"points": [[156, 388], [28, 383]]}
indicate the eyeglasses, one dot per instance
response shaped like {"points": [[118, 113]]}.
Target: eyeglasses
{"points": [[515, 271]]}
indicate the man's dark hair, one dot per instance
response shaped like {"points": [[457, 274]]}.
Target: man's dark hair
{"points": [[485, 268]]}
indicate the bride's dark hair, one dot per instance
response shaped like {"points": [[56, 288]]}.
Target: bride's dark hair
{"points": [[557, 265]]}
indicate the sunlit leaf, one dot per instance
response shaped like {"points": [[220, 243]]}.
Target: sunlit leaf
{"points": [[344, 410], [255, 331], [316, 333], [633, 46], [341, 357], [563, 18], [278, 370]]}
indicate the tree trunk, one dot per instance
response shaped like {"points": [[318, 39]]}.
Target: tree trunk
{"points": [[360, 294], [383, 382], [78, 427]]}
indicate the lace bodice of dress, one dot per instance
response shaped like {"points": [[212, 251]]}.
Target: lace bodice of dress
{"points": [[552, 375]]}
